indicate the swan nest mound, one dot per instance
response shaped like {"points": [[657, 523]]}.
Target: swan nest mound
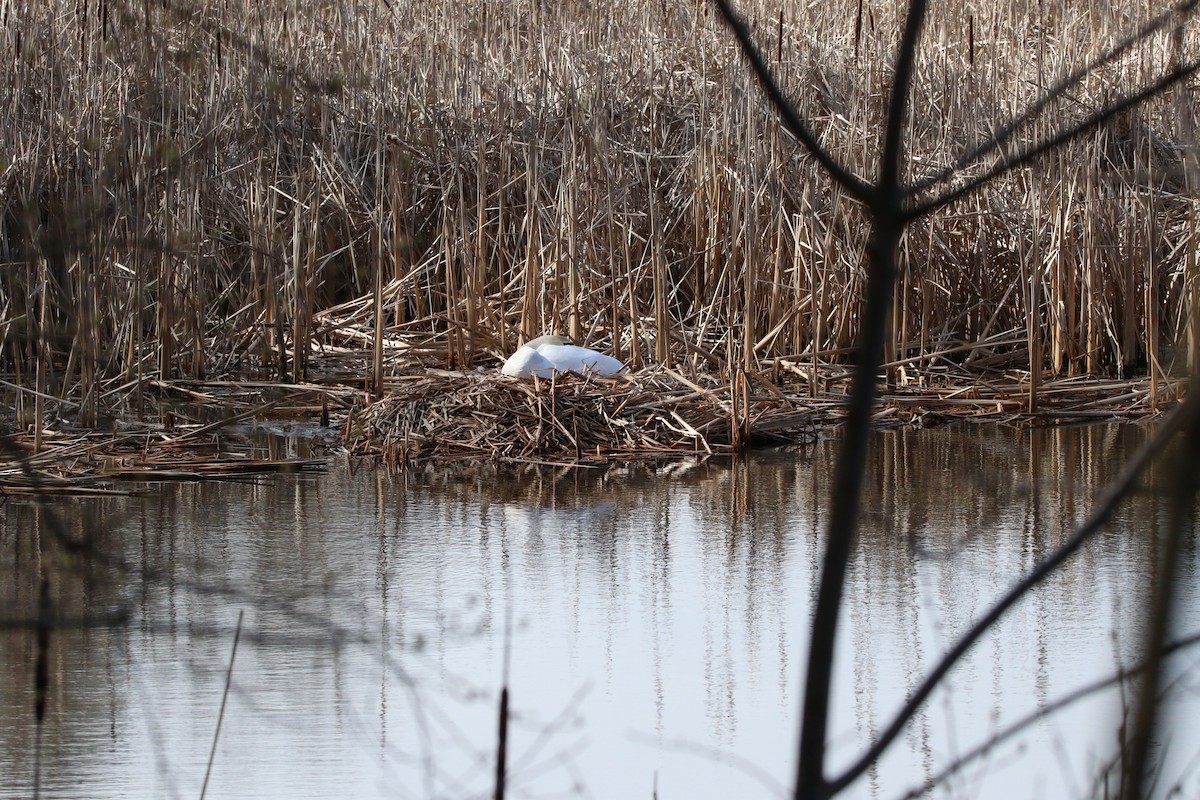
{"points": [[571, 419]]}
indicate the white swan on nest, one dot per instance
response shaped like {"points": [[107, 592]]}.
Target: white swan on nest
{"points": [[543, 356], [573, 358]]}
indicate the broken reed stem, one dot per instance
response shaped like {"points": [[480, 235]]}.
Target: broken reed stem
{"points": [[502, 735]]}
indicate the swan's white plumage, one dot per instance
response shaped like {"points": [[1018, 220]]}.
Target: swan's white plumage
{"points": [[545, 355], [527, 362], [573, 358]]}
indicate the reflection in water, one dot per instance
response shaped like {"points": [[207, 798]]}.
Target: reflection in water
{"points": [[659, 625]]}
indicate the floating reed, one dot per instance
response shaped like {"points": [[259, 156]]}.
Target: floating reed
{"points": [[209, 189], [64, 471], [65, 459]]}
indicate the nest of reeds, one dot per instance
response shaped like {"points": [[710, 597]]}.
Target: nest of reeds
{"points": [[654, 414]]}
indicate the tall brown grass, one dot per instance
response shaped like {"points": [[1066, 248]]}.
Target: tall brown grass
{"points": [[186, 186]]}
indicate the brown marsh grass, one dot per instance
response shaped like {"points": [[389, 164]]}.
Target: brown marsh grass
{"points": [[187, 186]]}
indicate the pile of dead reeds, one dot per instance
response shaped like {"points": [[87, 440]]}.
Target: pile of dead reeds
{"points": [[654, 414]]}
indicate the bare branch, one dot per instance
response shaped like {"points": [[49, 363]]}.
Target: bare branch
{"points": [[1082, 693], [887, 228], [856, 186], [1001, 136], [1181, 417], [893, 143], [1094, 121]]}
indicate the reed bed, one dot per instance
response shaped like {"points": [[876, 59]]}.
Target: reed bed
{"points": [[432, 415], [234, 190]]}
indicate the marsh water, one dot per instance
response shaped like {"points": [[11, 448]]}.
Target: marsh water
{"points": [[650, 623]]}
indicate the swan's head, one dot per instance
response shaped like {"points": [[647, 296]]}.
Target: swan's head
{"points": [[549, 338]]}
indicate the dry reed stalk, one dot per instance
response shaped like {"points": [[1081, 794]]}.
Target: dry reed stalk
{"points": [[43, 287], [1034, 309]]}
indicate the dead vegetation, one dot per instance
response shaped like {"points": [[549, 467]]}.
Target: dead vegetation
{"points": [[658, 414], [339, 195], [101, 463], [574, 419]]}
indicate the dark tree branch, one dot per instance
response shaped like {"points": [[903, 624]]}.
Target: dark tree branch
{"points": [[893, 141], [1090, 123], [1001, 136], [888, 226], [854, 185], [1136, 779], [1182, 418], [1082, 693], [889, 218]]}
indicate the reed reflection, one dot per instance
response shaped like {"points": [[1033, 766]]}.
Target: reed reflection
{"points": [[669, 602]]}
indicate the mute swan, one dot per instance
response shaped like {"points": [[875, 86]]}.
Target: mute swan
{"points": [[573, 358], [527, 362], [543, 356]]}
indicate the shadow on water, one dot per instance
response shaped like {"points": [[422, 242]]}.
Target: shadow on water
{"points": [[660, 622]]}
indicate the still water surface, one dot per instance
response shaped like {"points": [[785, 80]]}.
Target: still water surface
{"points": [[658, 625]]}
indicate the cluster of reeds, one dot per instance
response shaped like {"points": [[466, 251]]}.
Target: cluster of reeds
{"points": [[187, 186]]}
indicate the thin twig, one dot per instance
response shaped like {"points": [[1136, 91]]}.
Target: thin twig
{"points": [[1046, 145]]}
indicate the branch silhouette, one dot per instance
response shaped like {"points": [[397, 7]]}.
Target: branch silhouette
{"points": [[1017, 727], [788, 114], [1183, 416], [1090, 123], [1002, 135], [50, 620], [887, 229], [885, 199], [888, 219]]}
